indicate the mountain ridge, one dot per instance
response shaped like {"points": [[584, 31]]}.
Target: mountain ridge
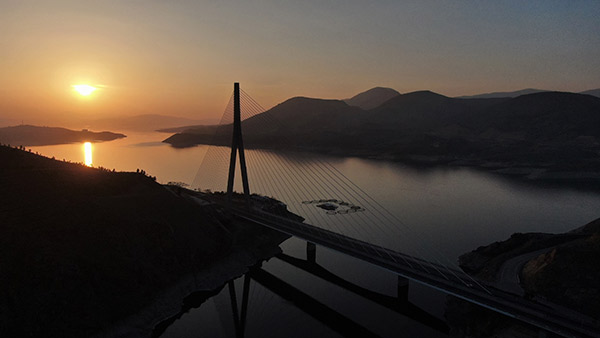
{"points": [[511, 94], [372, 98], [550, 131]]}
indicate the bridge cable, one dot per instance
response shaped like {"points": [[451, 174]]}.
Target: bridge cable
{"points": [[345, 180]]}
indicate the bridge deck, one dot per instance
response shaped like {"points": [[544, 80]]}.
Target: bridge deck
{"points": [[434, 275]]}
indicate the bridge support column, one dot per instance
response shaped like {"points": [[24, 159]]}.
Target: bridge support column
{"points": [[237, 146], [311, 252], [402, 289]]}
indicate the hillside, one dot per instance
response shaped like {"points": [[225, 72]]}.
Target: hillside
{"points": [[84, 249], [303, 122], [425, 111], [551, 269], [557, 134], [26, 135], [512, 94], [568, 273], [564, 271], [371, 98]]}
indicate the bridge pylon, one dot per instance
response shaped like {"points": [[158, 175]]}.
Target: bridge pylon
{"points": [[237, 146]]}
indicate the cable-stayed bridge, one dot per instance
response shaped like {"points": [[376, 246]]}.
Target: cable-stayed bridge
{"points": [[338, 215]]}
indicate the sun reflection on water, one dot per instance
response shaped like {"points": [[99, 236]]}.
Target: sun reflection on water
{"points": [[87, 149]]}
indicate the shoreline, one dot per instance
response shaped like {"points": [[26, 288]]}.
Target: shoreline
{"points": [[169, 303], [551, 174], [91, 252], [534, 266]]}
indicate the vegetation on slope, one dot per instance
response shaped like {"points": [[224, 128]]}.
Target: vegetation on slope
{"points": [[556, 132], [84, 248], [566, 274], [569, 273]]}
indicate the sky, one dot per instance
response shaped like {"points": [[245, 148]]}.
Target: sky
{"points": [[181, 57]]}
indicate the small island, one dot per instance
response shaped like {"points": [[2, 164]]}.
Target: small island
{"points": [[27, 135]]}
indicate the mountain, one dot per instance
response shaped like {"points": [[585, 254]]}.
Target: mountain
{"points": [[424, 110], [26, 135], [372, 97], [504, 94], [307, 114], [593, 92], [551, 130], [299, 119], [148, 122], [548, 115]]}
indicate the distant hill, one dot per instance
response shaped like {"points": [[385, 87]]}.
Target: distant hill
{"points": [[300, 118], [372, 97], [551, 130], [8, 122], [184, 128], [548, 115], [593, 92], [27, 135], [426, 110], [146, 122], [503, 94]]}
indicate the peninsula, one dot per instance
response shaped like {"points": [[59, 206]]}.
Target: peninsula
{"points": [[26, 135], [552, 136]]}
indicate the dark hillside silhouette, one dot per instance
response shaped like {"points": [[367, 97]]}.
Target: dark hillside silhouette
{"points": [[84, 249], [27, 135], [554, 131], [503, 94], [372, 98]]}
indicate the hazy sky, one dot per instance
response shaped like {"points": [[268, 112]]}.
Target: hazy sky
{"points": [[181, 57]]}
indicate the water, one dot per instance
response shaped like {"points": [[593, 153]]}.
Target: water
{"points": [[453, 210]]}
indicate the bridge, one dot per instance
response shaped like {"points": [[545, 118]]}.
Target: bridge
{"points": [[353, 236]]}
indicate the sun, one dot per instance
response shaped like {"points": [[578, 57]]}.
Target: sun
{"points": [[84, 89]]}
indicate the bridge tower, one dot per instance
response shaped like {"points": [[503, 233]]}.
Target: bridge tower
{"points": [[237, 145]]}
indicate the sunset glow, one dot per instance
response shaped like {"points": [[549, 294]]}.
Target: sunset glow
{"points": [[87, 150], [84, 89]]}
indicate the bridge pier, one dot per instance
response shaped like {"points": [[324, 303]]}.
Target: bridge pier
{"points": [[402, 289], [311, 252], [237, 146]]}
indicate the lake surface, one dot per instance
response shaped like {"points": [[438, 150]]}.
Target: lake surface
{"points": [[436, 213]]}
